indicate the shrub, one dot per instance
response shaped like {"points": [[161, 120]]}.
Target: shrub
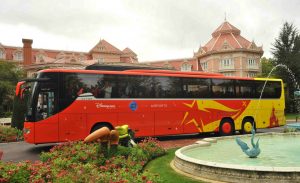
{"points": [[289, 130], [151, 147], [8, 134], [82, 162]]}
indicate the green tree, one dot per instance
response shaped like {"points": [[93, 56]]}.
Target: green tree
{"points": [[286, 51], [267, 64], [10, 74]]}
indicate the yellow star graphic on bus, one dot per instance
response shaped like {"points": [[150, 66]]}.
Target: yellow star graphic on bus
{"points": [[190, 117]]}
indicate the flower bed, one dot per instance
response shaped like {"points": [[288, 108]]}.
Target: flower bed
{"points": [[81, 162], [8, 134]]}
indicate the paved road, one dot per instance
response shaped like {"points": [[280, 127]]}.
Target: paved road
{"points": [[19, 151]]}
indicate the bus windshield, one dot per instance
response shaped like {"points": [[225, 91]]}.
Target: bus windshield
{"points": [[28, 98]]}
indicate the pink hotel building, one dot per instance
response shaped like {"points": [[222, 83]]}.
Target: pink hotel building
{"points": [[227, 52]]}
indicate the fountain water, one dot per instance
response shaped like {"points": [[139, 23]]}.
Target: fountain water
{"points": [[255, 151], [297, 99]]}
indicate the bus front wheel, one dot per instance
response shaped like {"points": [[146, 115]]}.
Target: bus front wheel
{"points": [[247, 126], [226, 127]]}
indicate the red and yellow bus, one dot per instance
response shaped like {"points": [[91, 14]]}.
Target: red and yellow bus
{"points": [[65, 105]]}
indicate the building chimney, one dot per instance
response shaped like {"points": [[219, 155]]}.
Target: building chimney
{"points": [[27, 51]]}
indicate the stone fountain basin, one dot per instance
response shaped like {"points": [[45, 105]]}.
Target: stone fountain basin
{"points": [[235, 172]]}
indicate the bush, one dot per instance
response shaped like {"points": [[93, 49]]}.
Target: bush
{"points": [[290, 130], [8, 134], [82, 162]]}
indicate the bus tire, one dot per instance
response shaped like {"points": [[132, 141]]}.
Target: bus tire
{"points": [[226, 127], [100, 125], [247, 125]]}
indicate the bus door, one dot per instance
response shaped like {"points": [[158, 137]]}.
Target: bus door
{"points": [[46, 125], [72, 118]]}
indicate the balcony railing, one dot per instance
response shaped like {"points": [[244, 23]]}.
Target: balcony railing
{"points": [[252, 67], [226, 68]]}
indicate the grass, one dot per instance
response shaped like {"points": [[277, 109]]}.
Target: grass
{"points": [[292, 116], [162, 167]]}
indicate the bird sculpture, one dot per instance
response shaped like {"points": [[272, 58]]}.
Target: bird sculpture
{"points": [[250, 152]]}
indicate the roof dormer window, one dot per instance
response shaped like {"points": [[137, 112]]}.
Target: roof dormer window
{"points": [[186, 67], [18, 56], [101, 48], [2, 54]]}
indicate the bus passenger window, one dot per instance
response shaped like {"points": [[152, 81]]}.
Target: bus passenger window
{"points": [[196, 88], [245, 89], [107, 89], [223, 88]]}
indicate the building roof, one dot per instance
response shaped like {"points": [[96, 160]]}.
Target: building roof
{"points": [[105, 47], [225, 27], [227, 37], [129, 52]]}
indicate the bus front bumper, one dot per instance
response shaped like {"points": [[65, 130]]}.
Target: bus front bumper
{"points": [[28, 132]]}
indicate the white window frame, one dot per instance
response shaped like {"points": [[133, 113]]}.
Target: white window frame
{"points": [[18, 56], [251, 62], [227, 63], [2, 54], [186, 67], [39, 57], [227, 74], [251, 74], [100, 60], [204, 65]]}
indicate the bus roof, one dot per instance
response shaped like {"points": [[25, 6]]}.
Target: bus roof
{"points": [[110, 67], [157, 73], [196, 73]]}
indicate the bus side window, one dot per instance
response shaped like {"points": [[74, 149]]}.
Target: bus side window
{"points": [[223, 88], [245, 89]]}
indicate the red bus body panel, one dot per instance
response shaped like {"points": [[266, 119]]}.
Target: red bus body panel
{"points": [[149, 118]]}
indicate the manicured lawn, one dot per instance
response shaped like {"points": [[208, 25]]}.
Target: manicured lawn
{"points": [[161, 166], [292, 116]]}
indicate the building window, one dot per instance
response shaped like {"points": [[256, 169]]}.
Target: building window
{"points": [[186, 67], [251, 74], [81, 58], [61, 55], [100, 60], [2, 54], [39, 58], [73, 60], [168, 66], [204, 65], [228, 74], [251, 62], [227, 63], [18, 56], [101, 48]]}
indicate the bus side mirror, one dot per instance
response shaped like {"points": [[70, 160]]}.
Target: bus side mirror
{"points": [[19, 89]]}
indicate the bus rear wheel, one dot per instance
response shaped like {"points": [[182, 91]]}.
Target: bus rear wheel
{"points": [[226, 127], [247, 126]]}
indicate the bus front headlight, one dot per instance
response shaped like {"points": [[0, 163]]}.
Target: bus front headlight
{"points": [[26, 131]]}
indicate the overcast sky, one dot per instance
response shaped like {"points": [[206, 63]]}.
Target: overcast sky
{"points": [[153, 29]]}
